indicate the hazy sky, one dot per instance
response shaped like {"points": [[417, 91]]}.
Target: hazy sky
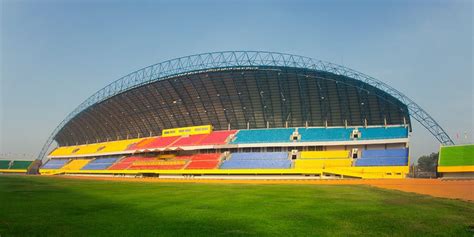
{"points": [[54, 54]]}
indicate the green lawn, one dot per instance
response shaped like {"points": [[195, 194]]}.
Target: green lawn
{"points": [[47, 206]]}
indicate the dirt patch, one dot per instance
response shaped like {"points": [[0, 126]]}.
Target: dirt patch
{"points": [[454, 189]]}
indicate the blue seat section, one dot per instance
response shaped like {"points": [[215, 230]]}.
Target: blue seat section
{"points": [[256, 164], [344, 134], [100, 163], [257, 160], [388, 157], [259, 155], [325, 134], [402, 152], [55, 163], [318, 134], [383, 133], [382, 161], [263, 136]]}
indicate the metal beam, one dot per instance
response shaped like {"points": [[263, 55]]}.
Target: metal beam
{"points": [[238, 59]]}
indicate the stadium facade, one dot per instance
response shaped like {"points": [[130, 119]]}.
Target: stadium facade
{"points": [[241, 113]]}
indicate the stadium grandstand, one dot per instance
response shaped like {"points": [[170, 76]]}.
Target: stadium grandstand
{"points": [[17, 163], [240, 113]]}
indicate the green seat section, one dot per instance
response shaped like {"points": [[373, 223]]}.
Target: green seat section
{"points": [[20, 165], [457, 155], [4, 164]]}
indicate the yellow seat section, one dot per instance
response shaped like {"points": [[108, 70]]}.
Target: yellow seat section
{"points": [[167, 156], [62, 151], [116, 146], [86, 149], [324, 154], [76, 164], [95, 148], [322, 163]]}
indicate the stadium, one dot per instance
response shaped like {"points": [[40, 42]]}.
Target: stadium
{"points": [[239, 143], [240, 113]]}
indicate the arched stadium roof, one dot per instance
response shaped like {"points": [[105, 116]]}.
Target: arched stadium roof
{"points": [[247, 60]]}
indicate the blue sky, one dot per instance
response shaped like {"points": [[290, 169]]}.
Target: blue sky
{"points": [[54, 54]]}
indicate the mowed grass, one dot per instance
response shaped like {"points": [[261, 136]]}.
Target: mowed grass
{"points": [[48, 206]]}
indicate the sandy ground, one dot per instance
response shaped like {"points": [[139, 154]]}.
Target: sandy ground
{"points": [[454, 189]]}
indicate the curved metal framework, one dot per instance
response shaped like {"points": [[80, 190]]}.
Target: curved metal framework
{"points": [[230, 59]]}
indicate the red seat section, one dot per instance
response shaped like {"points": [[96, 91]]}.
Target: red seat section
{"points": [[204, 161], [158, 142], [217, 138], [203, 165], [190, 157], [214, 138], [210, 156], [154, 164], [191, 140], [156, 167], [124, 163], [142, 143], [197, 161]]}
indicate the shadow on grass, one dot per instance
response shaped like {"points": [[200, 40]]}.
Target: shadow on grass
{"points": [[39, 207]]}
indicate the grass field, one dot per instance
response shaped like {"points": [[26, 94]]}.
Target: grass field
{"points": [[48, 206]]}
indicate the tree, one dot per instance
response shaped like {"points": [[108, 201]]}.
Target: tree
{"points": [[428, 163]]}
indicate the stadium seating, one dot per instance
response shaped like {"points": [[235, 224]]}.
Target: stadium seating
{"points": [[154, 164], [325, 134], [4, 164], [141, 143], [323, 159], [76, 164], [20, 165], [191, 140], [154, 143], [402, 152], [100, 163], [324, 154], [383, 133], [217, 138], [116, 146], [259, 155], [382, 161], [263, 136], [95, 148], [204, 161], [204, 157], [344, 134], [55, 163], [168, 162], [87, 149], [63, 151], [257, 160], [166, 156], [124, 163], [386, 157], [321, 163], [211, 164], [317, 134]]}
